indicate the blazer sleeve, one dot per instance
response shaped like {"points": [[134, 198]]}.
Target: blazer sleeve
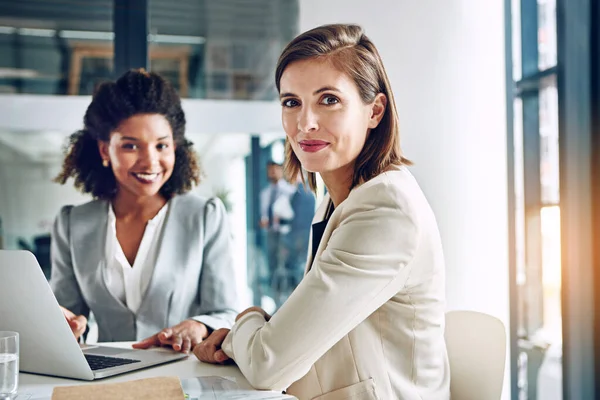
{"points": [[218, 301], [367, 260], [63, 280]]}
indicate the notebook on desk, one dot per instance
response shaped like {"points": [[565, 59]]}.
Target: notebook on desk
{"points": [[47, 345]]}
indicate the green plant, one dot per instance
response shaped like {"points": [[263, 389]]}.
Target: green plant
{"points": [[224, 195]]}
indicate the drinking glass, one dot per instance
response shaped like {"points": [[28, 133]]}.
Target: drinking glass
{"points": [[9, 364]]}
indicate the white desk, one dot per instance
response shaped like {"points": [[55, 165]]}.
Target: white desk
{"points": [[40, 387]]}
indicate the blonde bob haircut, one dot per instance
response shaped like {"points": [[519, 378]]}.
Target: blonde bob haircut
{"points": [[350, 51]]}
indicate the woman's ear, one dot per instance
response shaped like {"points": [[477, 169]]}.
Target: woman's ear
{"points": [[103, 149], [377, 110]]}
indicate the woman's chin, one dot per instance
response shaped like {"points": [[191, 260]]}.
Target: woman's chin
{"points": [[314, 167], [147, 190]]}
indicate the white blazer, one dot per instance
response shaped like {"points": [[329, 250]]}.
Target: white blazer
{"points": [[367, 320]]}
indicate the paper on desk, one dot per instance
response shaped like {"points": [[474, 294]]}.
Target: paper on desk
{"points": [[163, 388], [224, 388], [33, 395]]}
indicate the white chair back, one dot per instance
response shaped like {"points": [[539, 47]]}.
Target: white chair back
{"points": [[476, 345]]}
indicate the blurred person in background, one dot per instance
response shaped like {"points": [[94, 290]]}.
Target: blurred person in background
{"points": [[302, 202], [148, 258], [275, 217]]}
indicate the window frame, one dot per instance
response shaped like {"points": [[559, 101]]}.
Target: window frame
{"points": [[577, 74]]}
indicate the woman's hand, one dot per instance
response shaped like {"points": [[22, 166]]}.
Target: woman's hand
{"points": [[182, 337], [77, 323], [258, 309], [209, 351]]}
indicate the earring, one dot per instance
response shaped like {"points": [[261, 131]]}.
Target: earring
{"points": [[105, 163]]}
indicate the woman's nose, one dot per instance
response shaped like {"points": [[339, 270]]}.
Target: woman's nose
{"points": [[308, 121], [150, 157]]}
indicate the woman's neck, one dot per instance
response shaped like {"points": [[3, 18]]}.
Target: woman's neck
{"points": [[128, 206], [338, 183]]}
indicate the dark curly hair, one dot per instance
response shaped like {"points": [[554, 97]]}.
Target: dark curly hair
{"points": [[136, 92]]}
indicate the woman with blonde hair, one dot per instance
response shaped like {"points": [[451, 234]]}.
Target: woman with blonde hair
{"points": [[367, 320]]}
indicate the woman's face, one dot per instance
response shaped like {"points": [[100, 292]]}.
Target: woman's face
{"points": [[141, 152], [325, 120]]}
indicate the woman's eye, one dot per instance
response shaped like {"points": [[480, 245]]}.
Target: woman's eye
{"points": [[129, 146], [290, 103], [328, 100], [162, 146]]}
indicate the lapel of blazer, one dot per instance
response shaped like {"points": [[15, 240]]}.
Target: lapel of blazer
{"points": [[156, 301], [319, 216], [88, 234]]}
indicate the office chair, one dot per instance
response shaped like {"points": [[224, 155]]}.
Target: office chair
{"points": [[476, 345]]}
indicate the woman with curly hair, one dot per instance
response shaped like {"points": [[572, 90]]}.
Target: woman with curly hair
{"points": [[148, 258]]}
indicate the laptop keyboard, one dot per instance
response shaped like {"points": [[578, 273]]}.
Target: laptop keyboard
{"points": [[101, 362]]}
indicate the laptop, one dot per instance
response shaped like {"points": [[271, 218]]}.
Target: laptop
{"points": [[46, 344]]}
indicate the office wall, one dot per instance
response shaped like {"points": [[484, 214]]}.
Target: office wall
{"points": [[65, 114], [445, 60], [29, 200]]}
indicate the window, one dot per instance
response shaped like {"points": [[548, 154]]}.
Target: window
{"points": [[223, 50], [55, 47], [536, 194]]}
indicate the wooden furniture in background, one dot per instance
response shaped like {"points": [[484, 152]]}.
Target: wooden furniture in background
{"points": [[79, 51]]}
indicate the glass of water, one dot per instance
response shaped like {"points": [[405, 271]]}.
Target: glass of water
{"points": [[9, 364]]}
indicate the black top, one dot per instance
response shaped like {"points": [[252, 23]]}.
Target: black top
{"points": [[318, 228]]}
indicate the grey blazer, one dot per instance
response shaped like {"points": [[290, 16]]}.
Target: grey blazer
{"points": [[193, 276]]}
